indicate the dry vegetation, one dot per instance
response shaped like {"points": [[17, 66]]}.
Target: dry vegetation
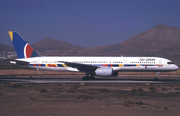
{"points": [[89, 99]]}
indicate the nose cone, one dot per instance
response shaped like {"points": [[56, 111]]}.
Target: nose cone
{"points": [[175, 67]]}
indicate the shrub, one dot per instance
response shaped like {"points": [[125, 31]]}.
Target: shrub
{"points": [[127, 103], [1, 94], [152, 89], [139, 103], [164, 89], [95, 91], [43, 90], [75, 86], [104, 90], [133, 90], [71, 90], [32, 98], [84, 97], [58, 90], [176, 89], [16, 85], [163, 107], [140, 90]]}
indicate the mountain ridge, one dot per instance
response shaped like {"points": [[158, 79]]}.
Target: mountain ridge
{"points": [[160, 40], [5, 48], [49, 46]]}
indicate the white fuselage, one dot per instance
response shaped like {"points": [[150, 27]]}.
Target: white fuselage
{"points": [[154, 64]]}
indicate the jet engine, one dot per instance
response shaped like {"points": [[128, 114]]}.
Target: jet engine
{"points": [[105, 71]]}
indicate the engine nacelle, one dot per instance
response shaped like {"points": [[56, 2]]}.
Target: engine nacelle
{"points": [[105, 71]]}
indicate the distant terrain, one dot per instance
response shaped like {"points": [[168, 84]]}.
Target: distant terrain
{"points": [[161, 41], [5, 48], [55, 47]]}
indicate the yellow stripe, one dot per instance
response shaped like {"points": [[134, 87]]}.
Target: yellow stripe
{"points": [[65, 65], [11, 35], [138, 65], [51, 65], [121, 65]]}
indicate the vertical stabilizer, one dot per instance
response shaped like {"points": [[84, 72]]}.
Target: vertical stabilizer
{"points": [[23, 49]]}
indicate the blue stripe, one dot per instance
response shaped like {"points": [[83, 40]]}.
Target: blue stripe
{"points": [[37, 65], [113, 65], [60, 65], [34, 54]]}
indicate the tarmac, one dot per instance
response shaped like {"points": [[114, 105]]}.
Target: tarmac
{"points": [[80, 81]]}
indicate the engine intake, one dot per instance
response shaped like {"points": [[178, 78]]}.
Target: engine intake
{"points": [[105, 71]]}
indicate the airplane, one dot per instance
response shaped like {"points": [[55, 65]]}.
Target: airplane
{"points": [[98, 66]]}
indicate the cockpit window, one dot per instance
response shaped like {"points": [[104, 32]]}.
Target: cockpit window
{"points": [[170, 63]]}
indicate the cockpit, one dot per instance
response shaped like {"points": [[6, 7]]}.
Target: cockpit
{"points": [[170, 63]]}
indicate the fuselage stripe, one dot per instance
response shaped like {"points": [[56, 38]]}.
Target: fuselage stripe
{"points": [[109, 65]]}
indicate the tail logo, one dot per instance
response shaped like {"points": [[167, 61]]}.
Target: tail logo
{"points": [[28, 51], [11, 35], [23, 49]]}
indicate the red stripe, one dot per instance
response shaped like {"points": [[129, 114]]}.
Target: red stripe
{"points": [[29, 51], [52, 65]]}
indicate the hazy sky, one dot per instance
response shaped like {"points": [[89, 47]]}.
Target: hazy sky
{"points": [[85, 23]]}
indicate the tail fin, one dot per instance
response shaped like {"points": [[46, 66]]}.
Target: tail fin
{"points": [[23, 49]]}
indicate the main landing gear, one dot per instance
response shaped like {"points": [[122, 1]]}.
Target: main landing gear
{"points": [[87, 77], [157, 76]]}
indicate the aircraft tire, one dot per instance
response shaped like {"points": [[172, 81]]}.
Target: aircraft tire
{"points": [[92, 78]]}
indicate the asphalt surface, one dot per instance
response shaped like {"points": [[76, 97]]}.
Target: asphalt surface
{"points": [[80, 81]]}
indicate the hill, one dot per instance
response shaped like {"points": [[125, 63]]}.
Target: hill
{"points": [[5, 48], [55, 47], [161, 39]]}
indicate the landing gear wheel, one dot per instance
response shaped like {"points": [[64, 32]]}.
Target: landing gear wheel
{"points": [[92, 78], [156, 79], [157, 76], [85, 78]]}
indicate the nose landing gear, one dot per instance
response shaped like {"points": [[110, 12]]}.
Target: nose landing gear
{"points": [[157, 76]]}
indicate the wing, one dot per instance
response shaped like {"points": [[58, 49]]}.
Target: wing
{"points": [[80, 66]]}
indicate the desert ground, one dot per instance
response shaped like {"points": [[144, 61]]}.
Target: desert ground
{"points": [[87, 99]]}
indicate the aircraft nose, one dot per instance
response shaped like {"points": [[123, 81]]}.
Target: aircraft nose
{"points": [[176, 67]]}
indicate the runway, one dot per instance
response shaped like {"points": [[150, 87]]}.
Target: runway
{"points": [[80, 81]]}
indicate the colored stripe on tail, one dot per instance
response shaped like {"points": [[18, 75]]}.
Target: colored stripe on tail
{"points": [[23, 49]]}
